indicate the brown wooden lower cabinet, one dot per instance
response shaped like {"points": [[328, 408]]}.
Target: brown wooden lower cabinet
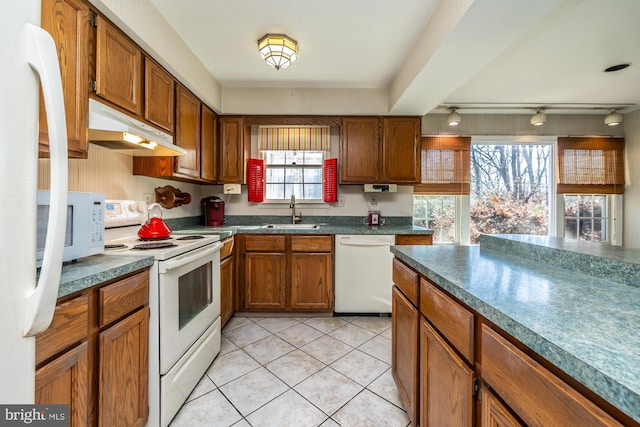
{"points": [[287, 272], [404, 351], [94, 356], [536, 395], [264, 286], [446, 383], [227, 280], [494, 413], [123, 391], [65, 380], [517, 389]]}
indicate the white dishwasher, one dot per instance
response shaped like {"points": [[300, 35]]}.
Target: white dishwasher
{"points": [[363, 273]]}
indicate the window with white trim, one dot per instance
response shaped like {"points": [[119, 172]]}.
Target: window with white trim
{"points": [[293, 172], [293, 161], [586, 217], [591, 173], [439, 214]]}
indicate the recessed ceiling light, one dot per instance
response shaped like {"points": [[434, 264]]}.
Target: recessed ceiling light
{"points": [[617, 67]]}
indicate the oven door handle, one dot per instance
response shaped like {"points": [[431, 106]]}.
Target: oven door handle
{"points": [[190, 257]]}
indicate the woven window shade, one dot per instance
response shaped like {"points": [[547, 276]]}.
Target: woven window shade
{"points": [[446, 166], [590, 165], [294, 138]]}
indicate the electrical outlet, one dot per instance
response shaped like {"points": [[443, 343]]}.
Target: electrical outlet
{"points": [[147, 198], [373, 201], [341, 201]]}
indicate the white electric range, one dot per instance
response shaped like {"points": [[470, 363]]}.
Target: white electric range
{"points": [[184, 300]]}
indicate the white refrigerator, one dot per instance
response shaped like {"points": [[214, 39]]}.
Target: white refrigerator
{"points": [[28, 62]]}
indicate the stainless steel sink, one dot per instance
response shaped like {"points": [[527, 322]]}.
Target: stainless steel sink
{"points": [[292, 226]]}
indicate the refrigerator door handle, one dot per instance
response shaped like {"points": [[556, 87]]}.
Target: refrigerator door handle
{"points": [[41, 302]]}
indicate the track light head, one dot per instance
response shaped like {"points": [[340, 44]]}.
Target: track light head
{"points": [[454, 118], [613, 118], [539, 118]]}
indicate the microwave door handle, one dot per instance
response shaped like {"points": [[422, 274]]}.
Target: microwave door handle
{"points": [[180, 261], [41, 302]]}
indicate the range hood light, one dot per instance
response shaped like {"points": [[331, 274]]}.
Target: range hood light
{"points": [[134, 139]]}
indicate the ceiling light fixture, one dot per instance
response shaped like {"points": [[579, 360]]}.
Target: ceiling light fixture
{"points": [[454, 118], [539, 118], [613, 118], [278, 50]]}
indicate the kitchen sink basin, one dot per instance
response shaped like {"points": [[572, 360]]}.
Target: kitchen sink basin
{"points": [[292, 226]]}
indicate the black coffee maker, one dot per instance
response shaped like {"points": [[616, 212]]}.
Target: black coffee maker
{"points": [[212, 211]]}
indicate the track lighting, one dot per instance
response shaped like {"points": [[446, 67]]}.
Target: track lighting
{"points": [[613, 118], [539, 118], [454, 118]]}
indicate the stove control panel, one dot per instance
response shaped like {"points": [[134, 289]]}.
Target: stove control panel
{"points": [[120, 213]]}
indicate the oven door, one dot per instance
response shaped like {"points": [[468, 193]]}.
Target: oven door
{"points": [[189, 300]]}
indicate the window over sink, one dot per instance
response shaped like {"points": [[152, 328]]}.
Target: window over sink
{"points": [[293, 159]]}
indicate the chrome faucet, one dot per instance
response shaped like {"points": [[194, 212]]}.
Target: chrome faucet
{"points": [[292, 205]]}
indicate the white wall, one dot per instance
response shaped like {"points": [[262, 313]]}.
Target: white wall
{"points": [[632, 181], [109, 172]]}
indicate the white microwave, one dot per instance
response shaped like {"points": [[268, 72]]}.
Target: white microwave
{"points": [[84, 234]]}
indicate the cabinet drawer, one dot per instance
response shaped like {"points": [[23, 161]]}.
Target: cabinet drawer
{"points": [[406, 280], [536, 395], [70, 324], [414, 239], [120, 298], [450, 318], [311, 244], [227, 248], [254, 243]]}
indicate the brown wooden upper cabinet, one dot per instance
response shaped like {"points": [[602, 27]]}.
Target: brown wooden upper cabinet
{"points": [[187, 132], [69, 23], [119, 68], [401, 150], [234, 150], [208, 145], [360, 145], [159, 101], [380, 150]]}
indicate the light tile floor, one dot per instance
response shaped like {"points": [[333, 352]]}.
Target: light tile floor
{"points": [[297, 372]]}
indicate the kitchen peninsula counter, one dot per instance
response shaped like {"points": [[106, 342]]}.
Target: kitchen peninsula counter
{"points": [[97, 269], [577, 305]]}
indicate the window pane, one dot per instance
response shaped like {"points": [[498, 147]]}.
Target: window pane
{"points": [[509, 189], [313, 175], [293, 175], [275, 175], [313, 157], [585, 207], [313, 191], [275, 157], [571, 206], [294, 157], [570, 228], [275, 191]]}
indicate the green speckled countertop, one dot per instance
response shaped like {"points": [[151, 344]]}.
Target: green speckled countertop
{"points": [[328, 225], [230, 230], [96, 269], [549, 295]]}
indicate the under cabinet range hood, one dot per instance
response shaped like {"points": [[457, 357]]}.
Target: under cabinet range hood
{"points": [[113, 129], [380, 188]]}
